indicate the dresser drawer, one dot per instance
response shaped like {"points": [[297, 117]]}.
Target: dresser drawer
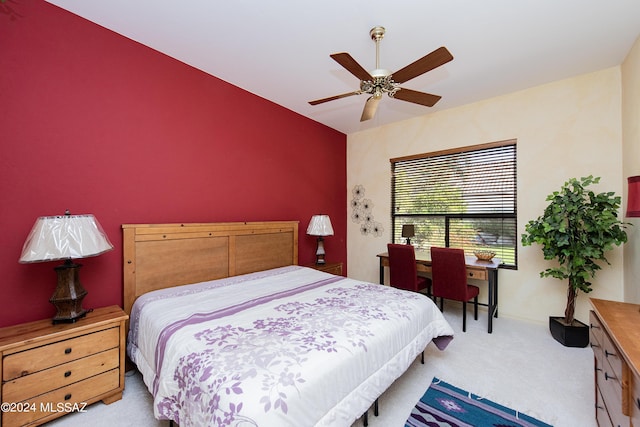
{"points": [[50, 403], [596, 331], [635, 402], [602, 416], [613, 357], [23, 388], [37, 359]]}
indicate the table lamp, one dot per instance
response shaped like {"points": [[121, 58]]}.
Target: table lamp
{"points": [[320, 226], [66, 237], [408, 231]]}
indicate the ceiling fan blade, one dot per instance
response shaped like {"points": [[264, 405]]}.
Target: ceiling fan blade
{"points": [[416, 97], [370, 108], [428, 62], [351, 65], [333, 98]]}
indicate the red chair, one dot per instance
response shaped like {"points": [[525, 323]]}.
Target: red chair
{"points": [[449, 279], [403, 273]]}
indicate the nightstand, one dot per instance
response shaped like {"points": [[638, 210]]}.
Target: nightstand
{"points": [[329, 267], [49, 370]]}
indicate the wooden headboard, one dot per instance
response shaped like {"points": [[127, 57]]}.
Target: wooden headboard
{"points": [[158, 256]]}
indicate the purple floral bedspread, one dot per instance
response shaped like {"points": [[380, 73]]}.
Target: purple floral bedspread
{"points": [[290, 346]]}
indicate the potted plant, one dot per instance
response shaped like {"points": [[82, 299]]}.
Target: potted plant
{"points": [[576, 230]]}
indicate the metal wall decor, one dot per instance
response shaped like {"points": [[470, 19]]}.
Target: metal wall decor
{"points": [[361, 213]]}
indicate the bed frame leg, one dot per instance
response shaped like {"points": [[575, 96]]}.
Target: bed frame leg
{"points": [[375, 408], [365, 419], [422, 358], [170, 423]]}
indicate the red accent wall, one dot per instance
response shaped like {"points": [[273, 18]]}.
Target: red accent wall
{"points": [[93, 122]]}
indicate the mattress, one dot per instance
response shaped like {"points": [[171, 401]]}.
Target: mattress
{"points": [[292, 346]]}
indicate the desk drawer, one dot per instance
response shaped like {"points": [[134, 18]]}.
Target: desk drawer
{"points": [[37, 359], [477, 274]]}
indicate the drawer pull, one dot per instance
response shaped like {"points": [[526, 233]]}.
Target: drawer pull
{"points": [[594, 345], [592, 326], [67, 396], [67, 374], [67, 351], [608, 377], [470, 274], [607, 354], [638, 402]]}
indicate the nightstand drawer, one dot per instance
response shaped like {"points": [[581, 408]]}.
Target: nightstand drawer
{"points": [[329, 267], [58, 401], [37, 359], [29, 386]]}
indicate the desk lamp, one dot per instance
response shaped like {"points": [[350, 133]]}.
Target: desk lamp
{"points": [[408, 231], [320, 226], [66, 237]]}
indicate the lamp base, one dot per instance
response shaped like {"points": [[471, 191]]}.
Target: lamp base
{"points": [[69, 294], [320, 251]]}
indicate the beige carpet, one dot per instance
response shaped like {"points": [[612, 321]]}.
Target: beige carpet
{"points": [[519, 365]]}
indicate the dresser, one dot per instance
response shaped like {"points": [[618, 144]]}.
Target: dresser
{"points": [[615, 340], [50, 370]]}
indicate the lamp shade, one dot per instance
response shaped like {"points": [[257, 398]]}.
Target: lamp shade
{"points": [[633, 197], [408, 230], [64, 237], [320, 225]]}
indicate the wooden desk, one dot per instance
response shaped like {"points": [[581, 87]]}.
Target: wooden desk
{"points": [[476, 269]]}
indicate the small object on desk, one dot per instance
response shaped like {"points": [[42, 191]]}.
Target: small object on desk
{"points": [[484, 255]]}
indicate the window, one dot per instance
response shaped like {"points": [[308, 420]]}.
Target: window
{"points": [[462, 198]]}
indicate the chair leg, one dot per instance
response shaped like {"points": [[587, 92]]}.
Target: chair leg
{"points": [[464, 316], [475, 307]]}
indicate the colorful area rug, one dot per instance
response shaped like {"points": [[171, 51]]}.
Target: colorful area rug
{"points": [[444, 405]]}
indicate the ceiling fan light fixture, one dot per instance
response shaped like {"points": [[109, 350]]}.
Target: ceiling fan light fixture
{"points": [[380, 72]]}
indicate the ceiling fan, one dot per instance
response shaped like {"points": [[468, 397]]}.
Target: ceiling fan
{"points": [[380, 81]]}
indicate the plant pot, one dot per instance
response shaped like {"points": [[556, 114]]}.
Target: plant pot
{"points": [[574, 335]]}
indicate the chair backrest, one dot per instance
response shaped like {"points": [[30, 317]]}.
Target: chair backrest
{"points": [[403, 273], [449, 273]]}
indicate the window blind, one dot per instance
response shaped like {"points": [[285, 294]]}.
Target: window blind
{"points": [[459, 198]]}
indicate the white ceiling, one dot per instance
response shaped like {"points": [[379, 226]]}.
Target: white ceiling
{"points": [[279, 49]]}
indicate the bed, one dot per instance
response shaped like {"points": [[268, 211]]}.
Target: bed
{"points": [[227, 329]]}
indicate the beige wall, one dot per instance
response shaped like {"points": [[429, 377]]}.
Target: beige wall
{"points": [[570, 128], [631, 165]]}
